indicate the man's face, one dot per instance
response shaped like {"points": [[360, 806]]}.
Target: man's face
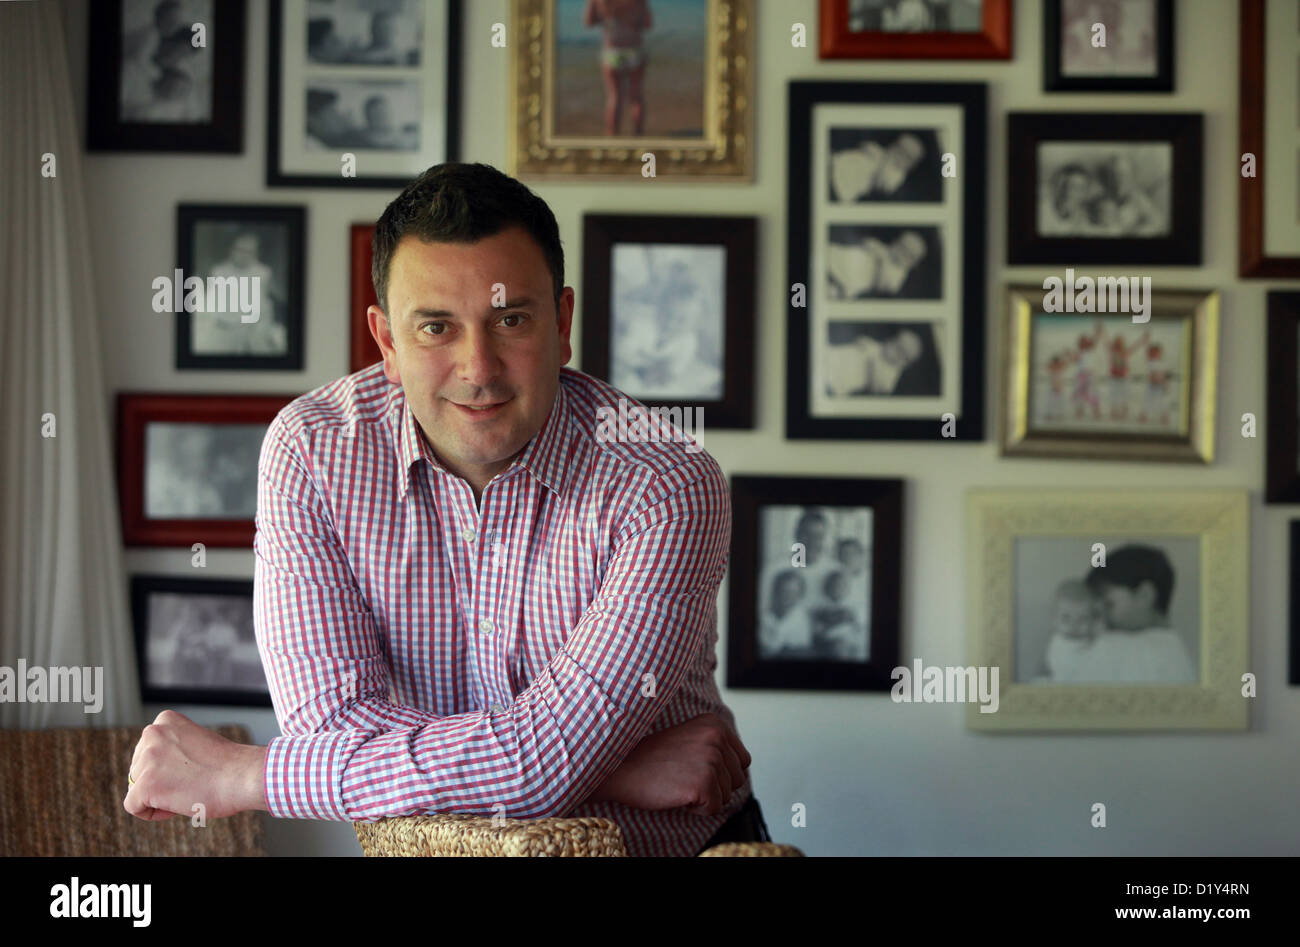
{"points": [[448, 347]]}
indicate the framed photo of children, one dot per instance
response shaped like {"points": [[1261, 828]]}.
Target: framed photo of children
{"points": [[668, 309], [1112, 187], [885, 324], [1079, 383], [621, 89], [1108, 45], [815, 577], [247, 312], [362, 93], [1283, 438], [1110, 610], [915, 29]]}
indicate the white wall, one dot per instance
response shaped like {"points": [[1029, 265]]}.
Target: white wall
{"points": [[876, 777]]}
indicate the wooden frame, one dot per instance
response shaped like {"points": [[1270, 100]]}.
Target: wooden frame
{"points": [[135, 411], [993, 41], [106, 131], [745, 667], [738, 236], [1054, 81], [1182, 130], [363, 351], [1283, 438], [1198, 310]]}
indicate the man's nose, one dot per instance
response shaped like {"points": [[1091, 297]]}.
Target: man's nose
{"points": [[479, 362]]}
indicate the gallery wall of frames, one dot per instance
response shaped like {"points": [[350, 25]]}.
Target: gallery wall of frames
{"points": [[992, 309]]}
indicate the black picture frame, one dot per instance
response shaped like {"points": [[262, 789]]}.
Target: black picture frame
{"points": [[277, 177], [1282, 444], [142, 588], [745, 666], [105, 129], [739, 237], [1184, 131], [1293, 652], [294, 217], [968, 422], [1054, 81]]}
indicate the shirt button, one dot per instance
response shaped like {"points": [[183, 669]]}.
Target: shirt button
{"points": [[485, 626], [467, 534], [497, 708]]}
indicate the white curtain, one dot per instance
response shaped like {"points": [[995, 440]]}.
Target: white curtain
{"points": [[62, 586]]}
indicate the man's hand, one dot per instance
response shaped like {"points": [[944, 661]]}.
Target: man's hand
{"points": [[178, 764], [697, 764]]}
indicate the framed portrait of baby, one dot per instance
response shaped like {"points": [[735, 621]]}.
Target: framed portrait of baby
{"points": [[1104, 187], [915, 29], [814, 585], [885, 317], [1103, 367], [1110, 609]]}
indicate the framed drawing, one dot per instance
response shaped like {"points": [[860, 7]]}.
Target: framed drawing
{"points": [[363, 351], [166, 75], [1110, 610], [1269, 216], [187, 466], [194, 641], [1108, 45], [250, 261], [886, 261], [1283, 439], [670, 96], [815, 578], [915, 29], [1100, 385], [362, 93], [1104, 187], [668, 311]]}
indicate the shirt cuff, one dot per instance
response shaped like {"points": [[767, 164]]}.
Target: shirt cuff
{"points": [[304, 774]]}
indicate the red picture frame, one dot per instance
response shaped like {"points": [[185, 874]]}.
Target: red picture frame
{"points": [[363, 351], [993, 41], [135, 411]]}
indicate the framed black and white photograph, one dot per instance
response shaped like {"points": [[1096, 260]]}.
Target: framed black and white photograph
{"points": [[814, 583], [1283, 421], [249, 314], [886, 261], [1104, 188], [668, 311], [362, 93], [1108, 45], [1293, 655], [195, 642], [915, 29], [166, 75]]}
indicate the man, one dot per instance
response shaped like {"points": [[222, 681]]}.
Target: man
{"points": [[465, 601]]}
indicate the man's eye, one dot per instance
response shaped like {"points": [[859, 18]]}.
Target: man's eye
{"points": [[433, 325], [515, 315]]}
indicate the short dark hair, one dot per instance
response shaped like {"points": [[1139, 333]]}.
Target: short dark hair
{"points": [[462, 202], [1130, 566]]}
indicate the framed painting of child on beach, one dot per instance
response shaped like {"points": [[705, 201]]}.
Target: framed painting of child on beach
{"points": [[1110, 610], [607, 89]]}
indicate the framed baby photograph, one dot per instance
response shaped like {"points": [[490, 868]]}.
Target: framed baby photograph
{"points": [[361, 93], [915, 29], [668, 311], [606, 90], [885, 318], [1108, 45], [1104, 187], [814, 587], [1283, 422], [1110, 609], [1110, 385]]}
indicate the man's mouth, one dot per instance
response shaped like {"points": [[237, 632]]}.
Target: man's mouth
{"points": [[479, 410]]}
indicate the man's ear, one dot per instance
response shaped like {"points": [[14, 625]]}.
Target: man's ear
{"points": [[564, 323], [383, 336]]}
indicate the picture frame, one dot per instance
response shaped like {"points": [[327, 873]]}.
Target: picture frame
{"points": [[330, 97], [1077, 71], [847, 33], [667, 310], [195, 642], [819, 643], [885, 340], [1282, 468], [696, 112], [182, 479], [1035, 581], [1105, 188], [363, 351], [1055, 362], [1268, 221], [219, 243], [150, 88]]}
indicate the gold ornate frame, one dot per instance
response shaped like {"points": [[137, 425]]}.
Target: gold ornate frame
{"points": [[724, 153], [1218, 518]]}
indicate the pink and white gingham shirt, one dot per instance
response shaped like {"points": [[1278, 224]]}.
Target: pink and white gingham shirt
{"points": [[425, 655]]}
